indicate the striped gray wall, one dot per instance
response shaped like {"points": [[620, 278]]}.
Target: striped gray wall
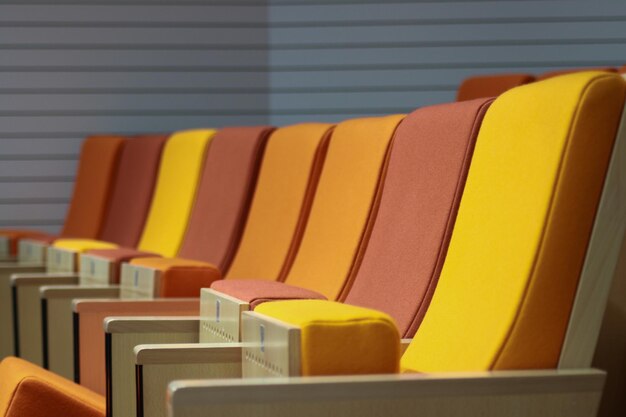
{"points": [[335, 59], [69, 68], [73, 67]]}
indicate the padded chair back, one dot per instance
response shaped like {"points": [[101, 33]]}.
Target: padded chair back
{"points": [[224, 192], [341, 209], [557, 73], [430, 156], [132, 191], [510, 276], [292, 161], [175, 192], [97, 168], [483, 86]]}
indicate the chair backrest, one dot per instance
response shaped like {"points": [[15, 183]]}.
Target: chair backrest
{"points": [[175, 191], [336, 230], [483, 86], [507, 286], [132, 191], [289, 172], [96, 173], [224, 192], [557, 73], [426, 172]]}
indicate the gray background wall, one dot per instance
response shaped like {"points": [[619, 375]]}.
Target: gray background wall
{"points": [[73, 67]]}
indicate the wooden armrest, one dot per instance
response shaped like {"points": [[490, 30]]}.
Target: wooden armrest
{"points": [[165, 324], [73, 291], [44, 279], [89, 344], [187, 353], [572, 393], [158, 365]]}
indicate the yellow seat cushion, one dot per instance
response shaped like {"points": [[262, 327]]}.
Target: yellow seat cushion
{"points": [[510, 276], [175, 191], [28, 390], [340, 339], [82, 245]]}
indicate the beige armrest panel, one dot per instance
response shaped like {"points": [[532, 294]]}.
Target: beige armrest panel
{"points": [[140, 324], [537, 393], [184, 353]]}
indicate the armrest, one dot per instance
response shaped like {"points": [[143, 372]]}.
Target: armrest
{"points": [[44, 279], [151, 324], [158, 365], [73, 291], [89, 343], [537, 393], [122, 335], [187, 353]]}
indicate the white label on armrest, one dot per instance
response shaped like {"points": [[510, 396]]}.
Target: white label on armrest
{"points": [[95, 270], [270, 348], [220, 317], [60, 260], [30, 251], [138, 282]]}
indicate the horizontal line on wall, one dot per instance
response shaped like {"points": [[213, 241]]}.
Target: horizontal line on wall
{"points": [[39, 222], [150, 2], [37, 179], [312, 24], [38, 157], [242, 112], [34, 200], [245, 91], [319, 46], [301, 68]]}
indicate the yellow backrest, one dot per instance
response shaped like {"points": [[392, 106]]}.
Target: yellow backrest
{"points": [[342, 204], [175, 191], [286, 182], [509, 280]]}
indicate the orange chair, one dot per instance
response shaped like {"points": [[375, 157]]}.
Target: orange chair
{"points": [[86, 213]]}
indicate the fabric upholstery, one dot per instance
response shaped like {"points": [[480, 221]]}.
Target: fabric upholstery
{"points": [[133, 190], [293, 158], [219, 213], [180, 277], [343, 201], [97, 169], [256, 292], [130, 198], [423, 185], [339, 339], [82, 245], [224, 194], [509, 280], [557, 73], [483, 86], [175, 192], [28, 390]]}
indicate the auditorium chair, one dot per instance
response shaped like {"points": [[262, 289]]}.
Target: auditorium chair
{"points": [[421, 191], [356, 146], [182, 150], [484, 86], [215, 223], [94, 179], [512, 326]]}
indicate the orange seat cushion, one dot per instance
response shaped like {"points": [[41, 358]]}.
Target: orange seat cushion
{"points": [[28, 390], [181, 277]]}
